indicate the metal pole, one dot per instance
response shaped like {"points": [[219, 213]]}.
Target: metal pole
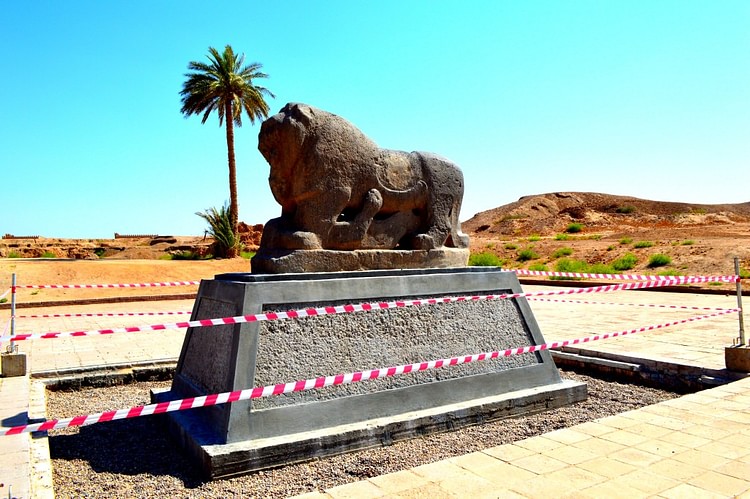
{"points": [[12, 346], [739, 299]]}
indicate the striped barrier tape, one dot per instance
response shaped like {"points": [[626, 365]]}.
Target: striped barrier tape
{"points": [[2, 296], [321, 382], [653, 305], [621, 277], [618, 277], [293, 314], [101, 286], [101, 314]]}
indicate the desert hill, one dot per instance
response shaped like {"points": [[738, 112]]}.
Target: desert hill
{"points": [[552, 212], [698, 239]]}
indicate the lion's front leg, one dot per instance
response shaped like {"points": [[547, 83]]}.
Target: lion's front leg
{"points": [[349, 229], [331, 215]]}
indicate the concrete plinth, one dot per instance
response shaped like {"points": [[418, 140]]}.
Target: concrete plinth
{"points": [[245, 436], [737, 358], [12, 364]]}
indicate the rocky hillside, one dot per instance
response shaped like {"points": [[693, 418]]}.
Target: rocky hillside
{"points": [[546, 214], [535, 233]]}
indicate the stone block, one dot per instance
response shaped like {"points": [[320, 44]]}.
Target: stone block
{"points": [[13, 364], [737, 358]]}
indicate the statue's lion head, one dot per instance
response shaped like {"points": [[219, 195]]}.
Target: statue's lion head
{"points": [[280, 141]]}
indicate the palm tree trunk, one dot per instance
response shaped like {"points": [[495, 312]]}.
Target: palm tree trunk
{"points": [[233, 205]]}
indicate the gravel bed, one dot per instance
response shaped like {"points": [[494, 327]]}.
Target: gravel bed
{"points": [[134, 457]]}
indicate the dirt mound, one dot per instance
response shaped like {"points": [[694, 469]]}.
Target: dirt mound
{"points": [[535, 233], [546, 214]]}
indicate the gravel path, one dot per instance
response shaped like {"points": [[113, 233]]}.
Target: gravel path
{"points": [[133, 458]]}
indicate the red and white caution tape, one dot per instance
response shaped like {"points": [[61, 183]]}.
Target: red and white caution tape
{"points": [[654, 305], [619, 277], [100, 286], [4, 294], [314, 383], [102, 314], [294, 314]]}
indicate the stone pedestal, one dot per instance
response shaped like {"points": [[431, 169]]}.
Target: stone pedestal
{"points": [[250, 435], [289, 261], [12, 364], [737, 358]]}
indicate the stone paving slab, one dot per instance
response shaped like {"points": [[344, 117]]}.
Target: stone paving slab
{"points": [[582, 461], [15, 454]]}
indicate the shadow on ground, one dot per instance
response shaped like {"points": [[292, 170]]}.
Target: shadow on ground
{"points": [[118, 447]]}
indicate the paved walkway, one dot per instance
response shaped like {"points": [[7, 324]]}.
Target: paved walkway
{"points": [[694, 446]]}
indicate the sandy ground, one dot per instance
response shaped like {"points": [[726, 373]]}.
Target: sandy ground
{"points": [[44, 272]]}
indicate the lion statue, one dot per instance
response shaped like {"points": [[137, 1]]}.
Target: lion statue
{"points": [[339, 191]]}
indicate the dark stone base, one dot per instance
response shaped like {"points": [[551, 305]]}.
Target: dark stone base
{"points": [[224, 461], [245, 436], [282, 262]]}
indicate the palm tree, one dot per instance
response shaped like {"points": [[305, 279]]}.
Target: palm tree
{"points": [[225, 85]]}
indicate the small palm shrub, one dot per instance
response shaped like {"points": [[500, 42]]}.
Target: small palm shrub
{"points": [[625, 209], [226, 242], [688, 242], [626, 240], [625, 262], [561, 237], [534, 238], [539, 267], [643, 244], [574, 228], [658, 260], [48, 254], [511, 246], [14, 254]]}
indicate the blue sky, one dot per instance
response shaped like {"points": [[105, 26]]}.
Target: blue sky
{"points": [[642, 98]]}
